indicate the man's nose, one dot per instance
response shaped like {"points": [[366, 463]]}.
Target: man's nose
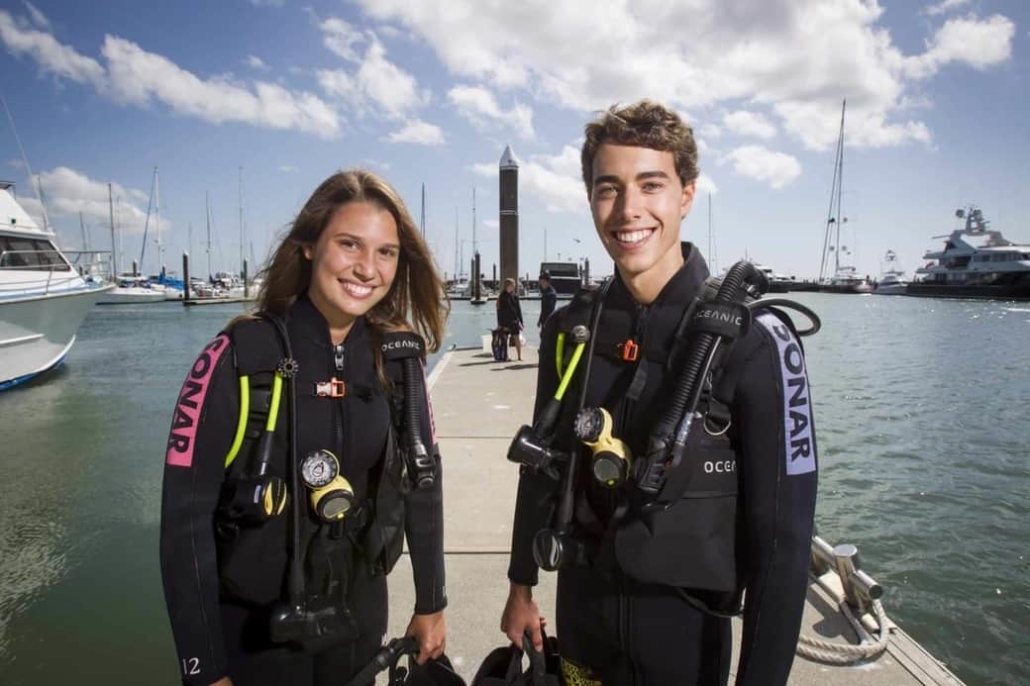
{"points": [[630, 202]]}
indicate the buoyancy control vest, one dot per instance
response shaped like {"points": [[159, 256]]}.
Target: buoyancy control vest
{"points": [[682, 529], [375, 527]]}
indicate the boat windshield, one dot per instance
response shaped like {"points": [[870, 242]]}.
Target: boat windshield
{"points": [[30, 253]]}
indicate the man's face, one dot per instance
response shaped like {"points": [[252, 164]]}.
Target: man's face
{"points": [[638, 202], [544, 283]]}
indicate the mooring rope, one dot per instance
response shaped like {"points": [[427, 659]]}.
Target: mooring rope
{"points": [[845, 653]]}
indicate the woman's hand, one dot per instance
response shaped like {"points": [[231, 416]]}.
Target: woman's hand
{"points": [[224, 681], [431, 633], [521, 615]]}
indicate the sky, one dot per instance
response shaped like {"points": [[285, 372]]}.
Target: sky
{"points": [[245, 106]]}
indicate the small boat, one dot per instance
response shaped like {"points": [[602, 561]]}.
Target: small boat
{"points": [[892, 280], [133, 289], [43, 299]]}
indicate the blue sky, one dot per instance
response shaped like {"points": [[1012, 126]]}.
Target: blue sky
{"points": [[431, 92]]}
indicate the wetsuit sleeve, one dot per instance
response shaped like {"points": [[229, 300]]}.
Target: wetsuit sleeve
{"points": [[202, 431], [779, 477], [536, 491], [423, 525]]}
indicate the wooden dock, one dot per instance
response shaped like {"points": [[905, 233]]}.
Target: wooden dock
{"points": [[478, 406]]}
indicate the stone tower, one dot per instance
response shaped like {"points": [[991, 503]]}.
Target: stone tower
{"points": [[509, 207]]}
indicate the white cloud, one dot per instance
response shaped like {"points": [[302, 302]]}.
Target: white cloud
{"points": [[945, 6], [491, 223], [977, 43], [268, 3], [705, 185], [419, 132], [255, 62], [758, 162], [52, 57], [744, 123], [786, 56], [378, 84], [37, 17], [287, 168], [68, 192], [479, 105], [340, 37], [139, 77]]}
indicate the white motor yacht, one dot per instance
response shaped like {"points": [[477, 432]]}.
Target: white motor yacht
{"points": [[976, 262], [892, 280], [43, 299]]}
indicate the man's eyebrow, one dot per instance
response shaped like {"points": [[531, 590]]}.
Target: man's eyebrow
{"points": [[611, 178]]}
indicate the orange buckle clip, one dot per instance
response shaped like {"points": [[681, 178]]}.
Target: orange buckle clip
{"points": [[333, 388], [628, 351]]}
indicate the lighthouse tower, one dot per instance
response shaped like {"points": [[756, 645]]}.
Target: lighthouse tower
{"points": [[509, 219]]}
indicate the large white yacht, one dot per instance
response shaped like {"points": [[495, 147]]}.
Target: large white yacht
{"points": [[976, 262], [43, 299]]}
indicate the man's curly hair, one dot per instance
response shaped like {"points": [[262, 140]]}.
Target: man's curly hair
{"points": [[645, 124]]}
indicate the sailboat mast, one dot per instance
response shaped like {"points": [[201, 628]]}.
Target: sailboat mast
{"points": [[423, 225], [475, 250], [832, 223], [114, 248], [157, 220], [241, 223], [457, 244], [207, 206], [146, 223], [840, 185]]}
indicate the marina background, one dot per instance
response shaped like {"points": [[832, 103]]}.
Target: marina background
{"points": [[921, 418]]}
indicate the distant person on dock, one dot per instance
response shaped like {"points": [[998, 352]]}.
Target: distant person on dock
{"points": [[654, 554], [284, 502], [509, 315], [548, 298]]}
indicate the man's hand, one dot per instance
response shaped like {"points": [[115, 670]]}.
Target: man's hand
{"points": [[431, 633], [521, 615]]}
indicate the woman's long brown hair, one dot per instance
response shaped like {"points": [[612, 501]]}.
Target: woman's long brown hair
{"points": [[415, 301]]}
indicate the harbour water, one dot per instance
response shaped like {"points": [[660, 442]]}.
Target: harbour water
{"points": [[921, 415]]}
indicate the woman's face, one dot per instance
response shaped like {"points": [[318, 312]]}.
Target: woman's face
{"points": [[354, 261], [510, 287]]}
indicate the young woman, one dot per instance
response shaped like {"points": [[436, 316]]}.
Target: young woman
{"points": [[509, 314], [352, 275]]}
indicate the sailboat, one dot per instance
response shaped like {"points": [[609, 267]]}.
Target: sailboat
{"points": [[130, 288], [844, 278]]}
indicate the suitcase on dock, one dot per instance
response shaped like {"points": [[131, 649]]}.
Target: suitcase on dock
{"points": [[499, 345]]}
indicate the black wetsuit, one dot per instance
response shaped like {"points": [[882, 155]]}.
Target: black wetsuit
{"points": [[629, 632], [548, 301], [219, 586]]}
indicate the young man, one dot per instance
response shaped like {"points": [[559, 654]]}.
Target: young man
{"points": [[649, 605], [548, 298]]}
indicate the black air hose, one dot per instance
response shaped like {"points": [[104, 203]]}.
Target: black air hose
{"points": [[738, 274], [413, 385]]}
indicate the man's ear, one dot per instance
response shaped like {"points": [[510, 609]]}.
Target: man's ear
{"points": [[688, 198]]}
